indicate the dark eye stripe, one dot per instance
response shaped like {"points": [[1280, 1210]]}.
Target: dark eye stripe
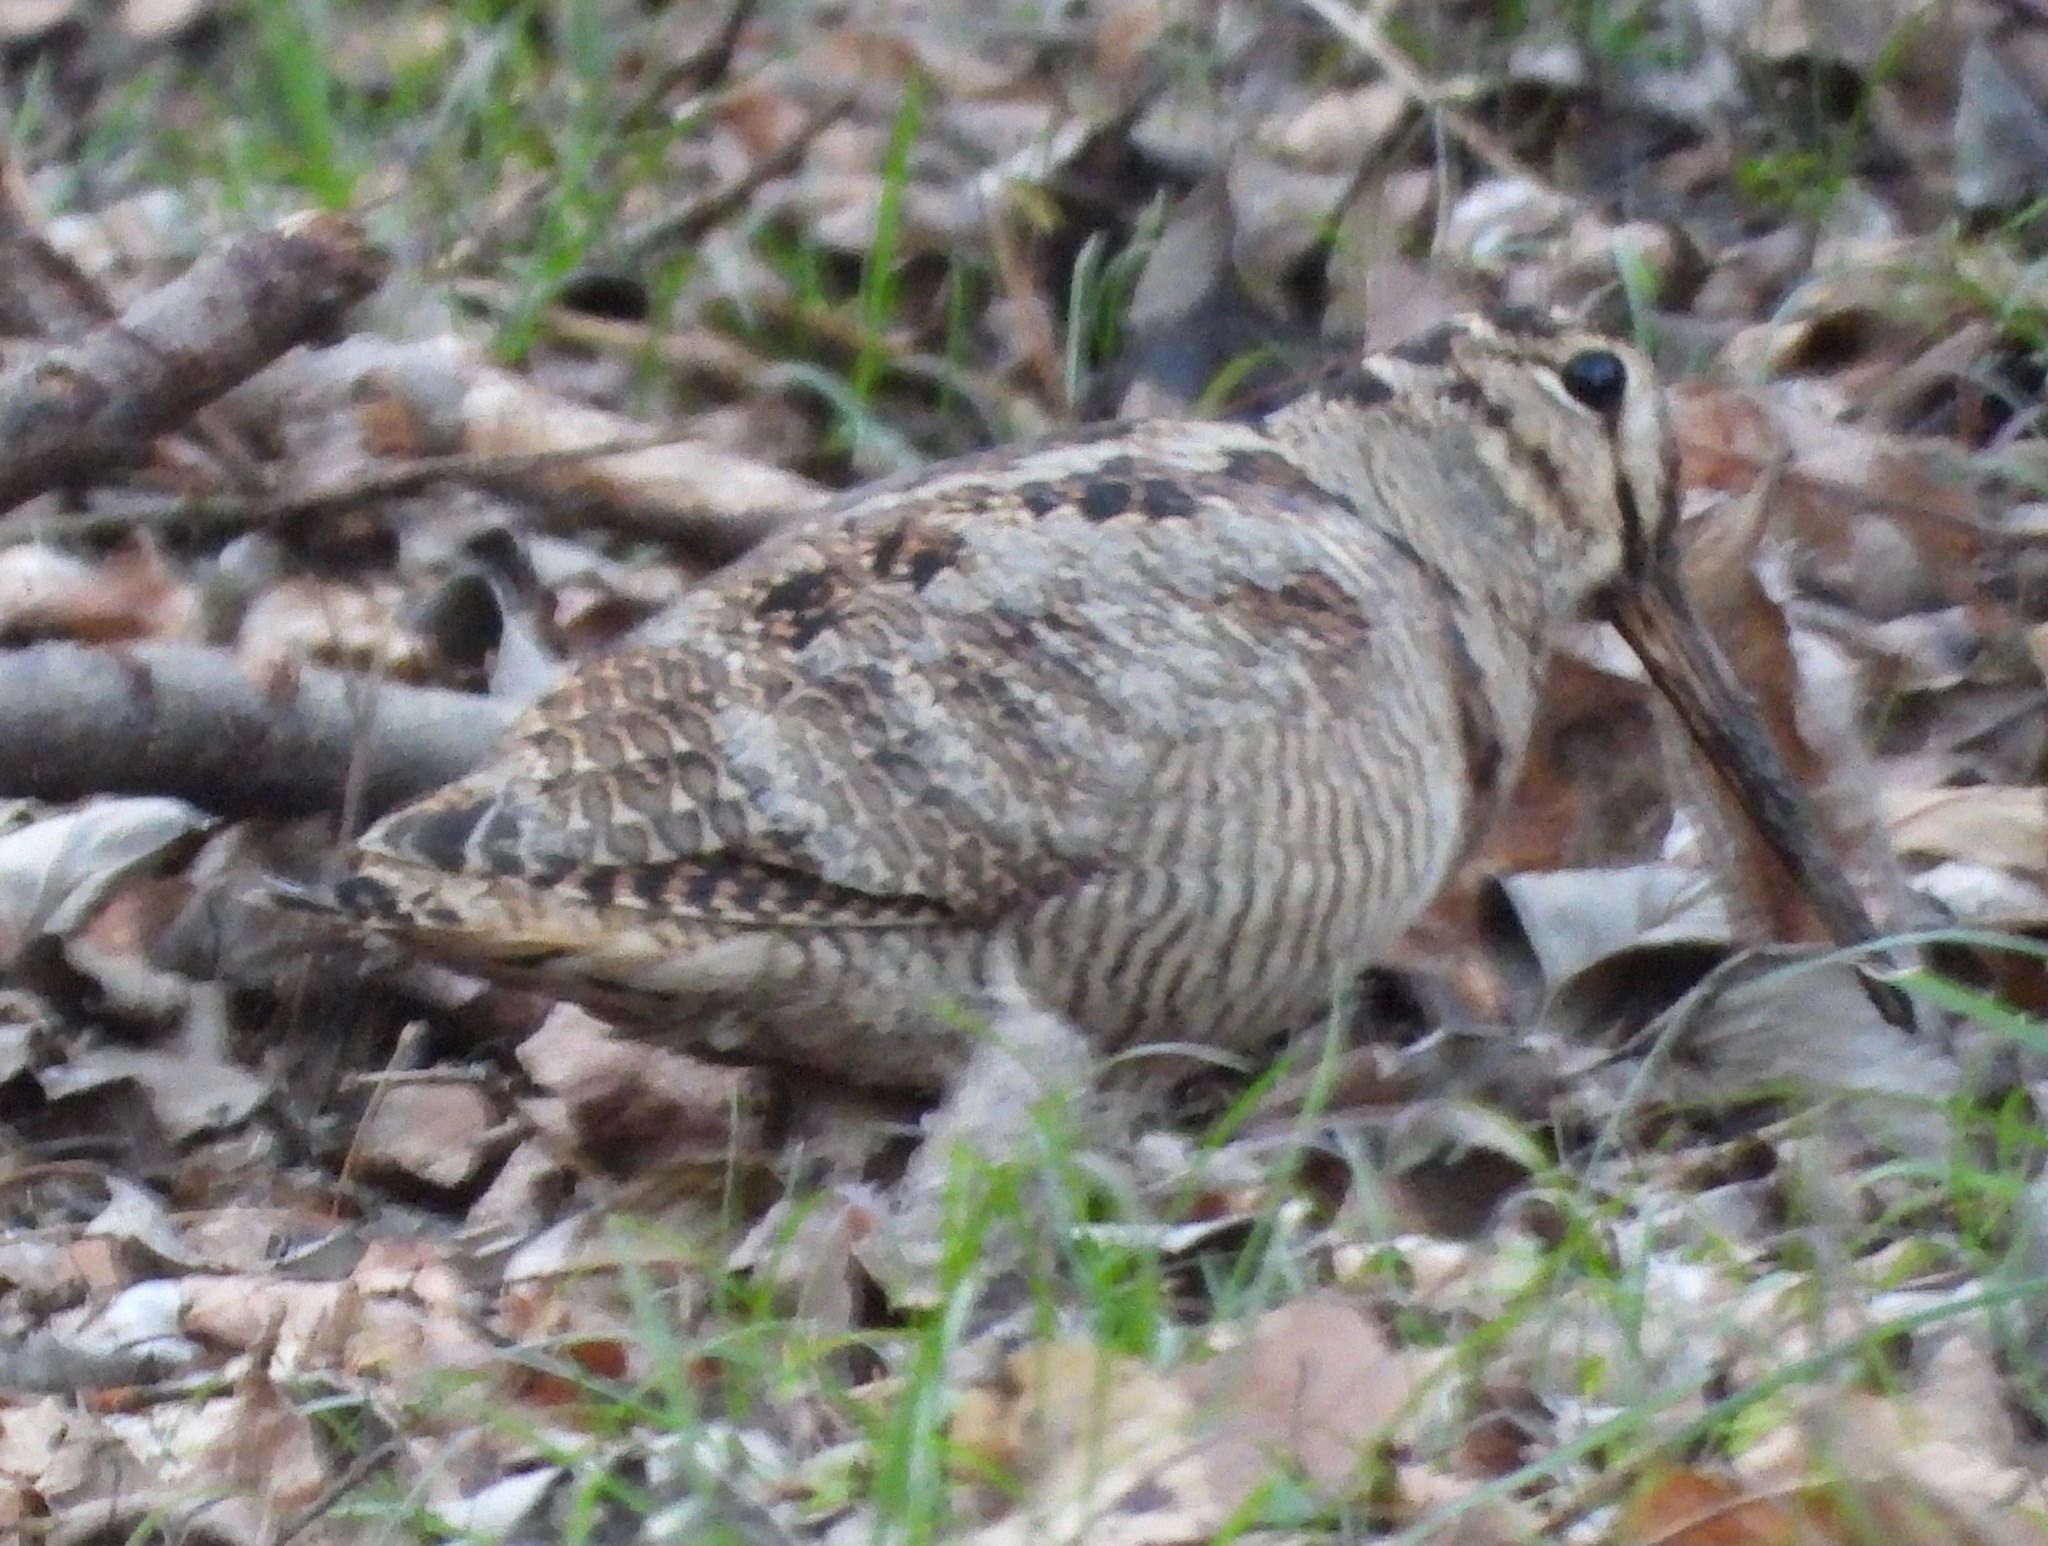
{"points": [[1635, 553]]}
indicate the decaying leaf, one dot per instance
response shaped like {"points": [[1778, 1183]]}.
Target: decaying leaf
{"points": [[55, 871], [1106, 1449]]}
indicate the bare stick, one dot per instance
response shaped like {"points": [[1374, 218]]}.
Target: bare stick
{"points": [[49, 296], [84, 409], [176, 719]]}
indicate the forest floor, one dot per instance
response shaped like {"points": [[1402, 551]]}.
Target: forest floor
{"points": [[366, 364]]}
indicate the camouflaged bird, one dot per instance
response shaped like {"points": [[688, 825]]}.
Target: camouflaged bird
{"points": [[1182, 722]]}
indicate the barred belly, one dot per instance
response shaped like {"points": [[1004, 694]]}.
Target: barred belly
{"points": [[1261, 876]]}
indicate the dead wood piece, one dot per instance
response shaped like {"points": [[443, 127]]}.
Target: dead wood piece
{"points": [[83, 409], [180, 720]]}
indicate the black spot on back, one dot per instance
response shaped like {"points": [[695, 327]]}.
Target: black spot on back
{"points": [[1529, 321], [799, 592], [1314, 593], [887, 546], [441, 837], [1104, 499], [1430, 348], [497, 843], [1269, 469], [1467, 393], [1042, 498], [802, 604], [1360, 384], [908, 551], [1162, 499], [364, 897]]}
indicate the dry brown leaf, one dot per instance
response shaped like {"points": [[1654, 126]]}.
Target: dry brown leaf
{"points": [[333, 1326], [441, 1135], [1835, 483], [679, 487], [21, 20], [264, 1448], [1941, 1460], [635, 1108], [160, 21], [56, 871], [1994, 824], [1125, 34], [1693, 1508], [131, 594], [1097, 1445], [1309, 1393], [1111, 1452], [355, 627]]}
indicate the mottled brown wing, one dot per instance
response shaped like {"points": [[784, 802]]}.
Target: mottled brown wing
{"points": [[937, 703]]}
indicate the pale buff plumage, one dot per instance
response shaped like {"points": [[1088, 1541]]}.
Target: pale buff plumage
{"points": [[1182, 721]]}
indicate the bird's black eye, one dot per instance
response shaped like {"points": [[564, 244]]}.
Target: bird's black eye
{"points": [[1597, 378]]}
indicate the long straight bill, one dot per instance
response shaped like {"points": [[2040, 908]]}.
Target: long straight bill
{"points": [[1685, 666]]}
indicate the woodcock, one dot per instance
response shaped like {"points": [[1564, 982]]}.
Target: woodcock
{"points": [[1178, 722]]}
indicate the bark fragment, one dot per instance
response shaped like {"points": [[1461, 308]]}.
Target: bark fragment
{"points": [[83, 409], [181, 720]]}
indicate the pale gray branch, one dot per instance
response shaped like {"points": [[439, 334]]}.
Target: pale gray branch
{"points": [[181, 720]]}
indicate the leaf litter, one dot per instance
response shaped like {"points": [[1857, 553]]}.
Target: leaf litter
{"points": [[1582, 1224]]}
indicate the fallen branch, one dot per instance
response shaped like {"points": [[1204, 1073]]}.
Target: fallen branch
{"points": [[176, 719], [84, 409], [49, 296]]}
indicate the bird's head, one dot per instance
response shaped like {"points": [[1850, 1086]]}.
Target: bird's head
{"points": [[1571, 427]]}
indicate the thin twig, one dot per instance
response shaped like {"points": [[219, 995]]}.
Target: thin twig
{"points": [[406, 1053], [1363, 32], [358, 1471], [379, 483], [702, 72], [679, 227]]}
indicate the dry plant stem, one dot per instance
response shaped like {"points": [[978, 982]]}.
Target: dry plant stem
{"points": [[1361, 29], [46, 293], [696, 352], [358, 1471], [406, 1056], [701, 72], [173, 719], [84, 409], [388, 482], [691, 222]]}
